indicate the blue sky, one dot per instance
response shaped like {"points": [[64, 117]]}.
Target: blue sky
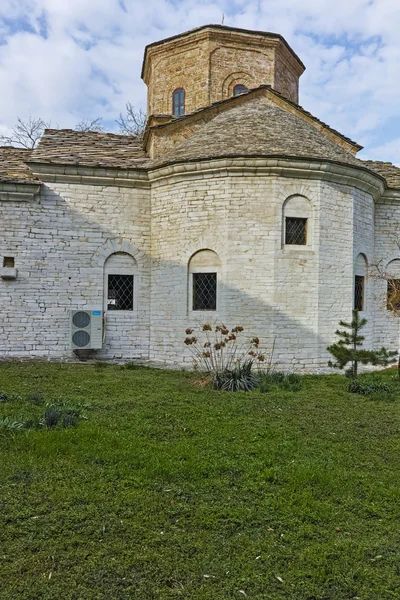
{"points": [[66, 61]]}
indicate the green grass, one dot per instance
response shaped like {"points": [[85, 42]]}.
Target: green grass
{"points": [[169, 490]]}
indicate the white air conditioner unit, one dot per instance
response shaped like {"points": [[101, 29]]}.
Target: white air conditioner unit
{"points": [[86, 329]]}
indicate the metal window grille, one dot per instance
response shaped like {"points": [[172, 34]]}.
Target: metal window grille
{"points": [[179, 103], [359, 292], [204, 291], [120, 292], [393, 294], [295, 231]]}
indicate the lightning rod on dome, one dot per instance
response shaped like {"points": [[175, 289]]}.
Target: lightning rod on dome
{"points": [[223, 19]]}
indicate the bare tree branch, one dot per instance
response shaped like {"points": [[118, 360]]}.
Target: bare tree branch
{"points": [[87, 125], [132, 122], [25, 134]]}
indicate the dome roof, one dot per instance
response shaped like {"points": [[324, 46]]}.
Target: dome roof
{"points": [[256, 128]]}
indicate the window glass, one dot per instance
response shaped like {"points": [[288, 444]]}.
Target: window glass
{"points": [[120, 292], [359, 292], [239, 89], [179, 102], [295, 231], [204, 291]]}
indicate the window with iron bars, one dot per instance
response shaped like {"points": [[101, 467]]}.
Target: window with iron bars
{"points": [[393, 294], [295, 231], [204, 291], [359, 282], [120, 292]]}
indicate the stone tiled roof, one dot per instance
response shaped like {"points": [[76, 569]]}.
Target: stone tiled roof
{"points": [[258, 129], [260, 90], [386, 170], [13, 167], [68, 147]]}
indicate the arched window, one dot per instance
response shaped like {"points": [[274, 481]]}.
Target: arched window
{"points": [[204, 267], [297, 221], [120, 270], [393, 286], [178, 102], [239, 89], [360, 273]]}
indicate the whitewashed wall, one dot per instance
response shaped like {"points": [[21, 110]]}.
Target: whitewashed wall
{"points": [[60, 241]]}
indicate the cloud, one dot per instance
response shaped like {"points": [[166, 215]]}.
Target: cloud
{"points": [[68, 60]]}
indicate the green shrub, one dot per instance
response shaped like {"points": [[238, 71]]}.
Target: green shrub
{"points": [[369, 387]]}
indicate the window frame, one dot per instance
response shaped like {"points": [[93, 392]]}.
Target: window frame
{"points": [[195, 271], [241, 85], [361, 279], [306, 242], [179, 104], [120, 310], [392, 282]]}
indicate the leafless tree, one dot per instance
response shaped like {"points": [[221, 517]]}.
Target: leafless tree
{"points": [[132, 122], [25, 134], [90, 125]]}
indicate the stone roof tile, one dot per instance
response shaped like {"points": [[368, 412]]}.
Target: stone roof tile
{"points": [[13, 167], [258, 129], [387, 170], [89, 148]]}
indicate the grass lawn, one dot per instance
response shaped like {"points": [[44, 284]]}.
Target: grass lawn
{"points": [[169, 490]]}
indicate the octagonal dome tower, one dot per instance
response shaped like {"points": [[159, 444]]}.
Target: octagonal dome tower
{"points": [[209, 64]]}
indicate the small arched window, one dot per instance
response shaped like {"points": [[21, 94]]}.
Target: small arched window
{"points": [[178, 102], [297, 222], [393, 286], [120, 271], [239, 89], [204, 267], [360, 273]]}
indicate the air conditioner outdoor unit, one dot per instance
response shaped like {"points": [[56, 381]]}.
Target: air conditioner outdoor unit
{"points": [[86, 329]]}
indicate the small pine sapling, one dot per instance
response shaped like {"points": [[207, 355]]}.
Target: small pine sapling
{"points": [[348, 348]]}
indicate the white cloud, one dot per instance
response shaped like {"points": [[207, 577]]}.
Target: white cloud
{"points": [[66, 60]]}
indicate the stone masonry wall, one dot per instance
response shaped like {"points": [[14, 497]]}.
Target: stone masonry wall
{"points": [[207, 65], [295, 295], [387, 325], [60, 242]]}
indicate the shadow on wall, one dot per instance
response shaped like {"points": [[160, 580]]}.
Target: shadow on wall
{"points": [[62, 244]]}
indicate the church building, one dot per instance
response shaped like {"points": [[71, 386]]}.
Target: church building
{"points": [[237, 207]]}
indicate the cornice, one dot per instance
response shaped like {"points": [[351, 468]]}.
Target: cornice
{"points": [[174, 172], [273, 166], [55, 173], [18, 191]]}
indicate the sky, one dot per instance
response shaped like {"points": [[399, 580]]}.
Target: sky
{"points": [[67, 60]]}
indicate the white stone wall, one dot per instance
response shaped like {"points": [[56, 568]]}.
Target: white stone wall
{"points": [[387, 217], [290, 296], [60, 241], [295, 295]]}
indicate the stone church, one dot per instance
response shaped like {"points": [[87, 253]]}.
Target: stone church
{"points": [[238, 207]]}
